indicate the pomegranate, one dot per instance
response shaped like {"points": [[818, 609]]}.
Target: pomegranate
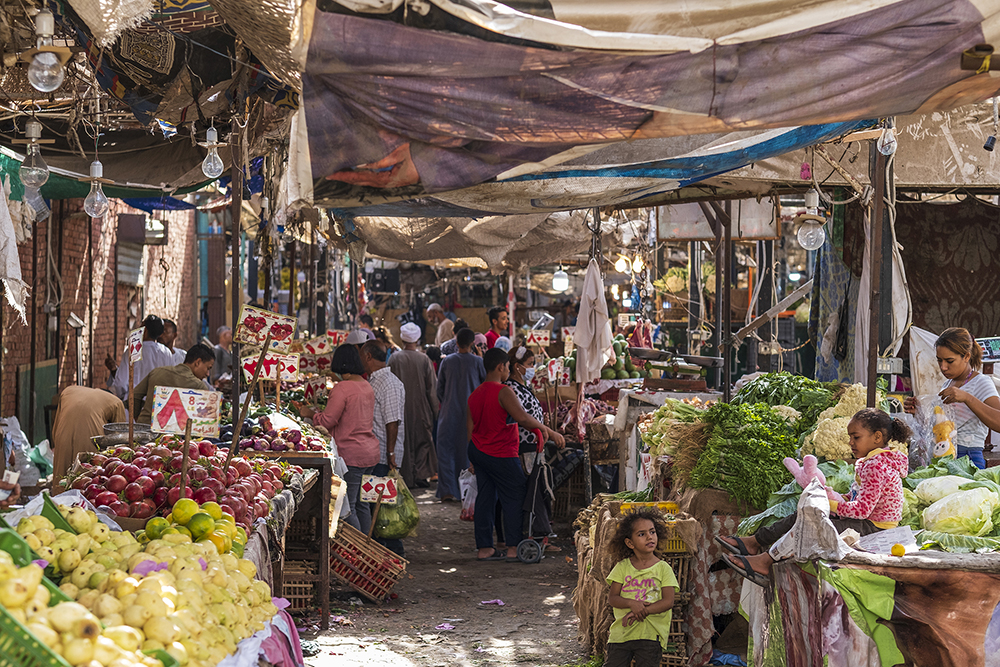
{"points": [[133, 493], [119, 508], [81, 482], [177, 463], [173, 495], [98, 459], [157, 477], [139, 462], [204, 495], [160, 496], [147, 485], [139, 510], [116, 483], [197, 474], [218, 487], [207, 448]]}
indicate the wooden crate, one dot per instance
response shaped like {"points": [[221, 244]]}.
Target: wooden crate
{"points": [[681, 565], [570, 497], [299, 579], [364, 564], [302, 530]]}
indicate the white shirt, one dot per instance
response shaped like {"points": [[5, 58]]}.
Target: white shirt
{"points": [[154, 355], [390, 399], [593, 327], [970, 431]]}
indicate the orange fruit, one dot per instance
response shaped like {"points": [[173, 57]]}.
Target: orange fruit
{"points": [[184, 509], [156, 526], [226, 516], [200, 524], [237, 549], [213, 509], [170, 531]]}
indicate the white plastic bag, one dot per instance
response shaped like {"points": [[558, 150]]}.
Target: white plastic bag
{"points": [[470, 489], [21, 449], [71, 497]]}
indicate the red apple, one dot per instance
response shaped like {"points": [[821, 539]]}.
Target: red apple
{"points": [[116, 483]]}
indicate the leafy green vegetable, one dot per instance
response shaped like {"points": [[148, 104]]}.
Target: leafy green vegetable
{"points": [[644, 496], [807, 396], [744, 453], [399, 520], [839, 475], [913, 509], [783, 502], [959, 544], [990, 474], [946, 465]]}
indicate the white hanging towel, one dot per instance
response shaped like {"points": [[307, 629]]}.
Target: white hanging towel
{"points": [[593, 336]]}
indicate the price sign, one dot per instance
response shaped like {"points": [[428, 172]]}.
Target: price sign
{"points": [[254, 323], [276, 366], [313, 363], [133, 344], [316, 388], [625, 319], [554, 369], [371, 486], [173, 407], [540, 337], [567, 336], [336, 336], [318, 345]]}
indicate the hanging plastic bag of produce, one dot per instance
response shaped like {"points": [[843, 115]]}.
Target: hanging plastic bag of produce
{"points": [[400, 520], [963, 513], [470, 489]]}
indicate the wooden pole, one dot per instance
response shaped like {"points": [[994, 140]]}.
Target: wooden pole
{"points": [[277, 391], [875, 272], [378, 506], [185, 461], [131, 400], [238, 426]]}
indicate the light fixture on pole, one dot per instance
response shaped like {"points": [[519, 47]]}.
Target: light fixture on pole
{"points": [[96, 203], [48, 63], [810, 234], [33, 172], [560, 280], [213, 166]]}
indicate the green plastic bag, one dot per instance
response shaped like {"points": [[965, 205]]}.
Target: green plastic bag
{"points": [[400, 520]]}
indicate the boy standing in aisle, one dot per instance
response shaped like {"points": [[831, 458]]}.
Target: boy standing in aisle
{"points": [[499, 325]]}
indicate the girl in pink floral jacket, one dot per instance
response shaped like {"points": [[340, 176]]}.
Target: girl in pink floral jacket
{"points": [[875, 501]]}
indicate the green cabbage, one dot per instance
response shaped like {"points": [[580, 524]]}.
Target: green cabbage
{"points": [[934, 489], [963, 513]]}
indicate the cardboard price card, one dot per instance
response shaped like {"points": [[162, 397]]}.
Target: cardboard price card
{"points": [[539, 337], [554, 368], [310, 363], [371, 486], [174, 406], [336, 336], [255, 323], [318, 345], [316, 388], [276, 366], [133, 344]]}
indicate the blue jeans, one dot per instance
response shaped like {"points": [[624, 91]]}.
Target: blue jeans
{"points": [[501, 478], [975, 455], [394, 545], [361, 515]]}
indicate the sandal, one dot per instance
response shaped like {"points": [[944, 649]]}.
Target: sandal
{"points": [[497, 555], [738, 549], [747, 572]]}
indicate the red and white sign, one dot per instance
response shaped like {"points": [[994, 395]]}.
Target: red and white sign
{"points": [[174, 406], [276, 366], [312, 363], [134, 344], [336, 336], [540, 337], [554, 368], [316, 389], [318, 345], [255, 323], [372, 486]]}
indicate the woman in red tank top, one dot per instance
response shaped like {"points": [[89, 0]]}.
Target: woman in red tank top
{"points": [[494, 415]]}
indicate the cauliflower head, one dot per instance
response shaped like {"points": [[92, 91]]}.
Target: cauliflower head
{"points": [[788, 412], [855, 398], [830, 440]]}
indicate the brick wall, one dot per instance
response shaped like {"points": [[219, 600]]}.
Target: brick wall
{"points": [[169, 294]]}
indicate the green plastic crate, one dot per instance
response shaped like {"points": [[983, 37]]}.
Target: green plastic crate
{"points": [[19, 648], [51, 512], [164, 657], [22, 554]]}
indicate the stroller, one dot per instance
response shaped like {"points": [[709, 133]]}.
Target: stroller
{"points": [[532, 549]]}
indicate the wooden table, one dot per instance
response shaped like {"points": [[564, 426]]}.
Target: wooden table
{"points": [[316, 502]]}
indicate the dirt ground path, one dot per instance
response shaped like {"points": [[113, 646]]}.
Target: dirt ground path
{"points": [[446, 586]]}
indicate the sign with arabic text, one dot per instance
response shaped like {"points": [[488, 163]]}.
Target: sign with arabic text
{"points": [[336, 336], [276, 366], [133, 344], [371, 486], [539, 337], [255, 323], [173, 407]]}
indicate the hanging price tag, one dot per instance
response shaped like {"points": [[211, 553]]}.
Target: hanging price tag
{"points": [[254, 323], [173, 407], [371, 486], [284, 367], [336, 336], [554, 369], [134, 344], [540, 337]]}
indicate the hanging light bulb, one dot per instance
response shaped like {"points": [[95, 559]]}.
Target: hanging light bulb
{"points": [[614, 292], [33, 172], [46, 72], [637, 264], [812, 201], [96, 203], [212, 167], [811, 235], [626, 301], [560, 280], [623, 265]]}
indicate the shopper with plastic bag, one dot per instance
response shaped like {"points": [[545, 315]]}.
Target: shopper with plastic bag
{"points": [[972, 396]]}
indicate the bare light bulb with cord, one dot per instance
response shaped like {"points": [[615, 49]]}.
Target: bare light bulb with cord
{"points": [[560, 280], [46, 72], [213, 166], [623, 265], [34, 173], [96, 204]]}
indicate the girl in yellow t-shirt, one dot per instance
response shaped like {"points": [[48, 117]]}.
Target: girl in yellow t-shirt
{"points": [[642, 593]]}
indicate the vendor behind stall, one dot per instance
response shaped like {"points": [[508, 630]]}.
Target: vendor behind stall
{"points": [[191, 374], [972, 395], [81, 415]]}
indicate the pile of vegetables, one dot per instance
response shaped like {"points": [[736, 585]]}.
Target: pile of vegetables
{"points": [[666, 427], [744, 452], [783, 502], [807, 397], [675, 280], [830, 440]]}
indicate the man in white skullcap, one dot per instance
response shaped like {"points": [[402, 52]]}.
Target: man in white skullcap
{"points": [[416, 372], [445, 327]]}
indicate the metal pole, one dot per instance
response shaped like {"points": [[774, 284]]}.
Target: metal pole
{"points": [[694, 303], [875, 271], [718, 338], [727, 314], [236, 291], [34, 333]]}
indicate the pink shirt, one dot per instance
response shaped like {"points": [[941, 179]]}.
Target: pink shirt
{"points": [[349, 415]]}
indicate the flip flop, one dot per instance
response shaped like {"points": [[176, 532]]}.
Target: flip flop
{"points": [[513, 559], [497, 555], [747, 571], [738, 549]]}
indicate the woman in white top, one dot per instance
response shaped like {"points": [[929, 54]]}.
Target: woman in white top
{"points": [[973, 396]]}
